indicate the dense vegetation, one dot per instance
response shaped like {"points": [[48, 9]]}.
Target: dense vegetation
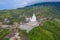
{"points": [[49, 31], [4, 33]]}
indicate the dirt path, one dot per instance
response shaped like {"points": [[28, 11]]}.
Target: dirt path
{"points": [[24, 36]]}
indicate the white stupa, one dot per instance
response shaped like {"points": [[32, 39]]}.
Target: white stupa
{"points": [[33, 18]]}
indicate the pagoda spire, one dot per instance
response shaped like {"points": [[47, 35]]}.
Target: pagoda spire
{"points": [[33, 18]]}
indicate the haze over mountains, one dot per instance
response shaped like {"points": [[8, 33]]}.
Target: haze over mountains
{"points": [[34, 4], [46, 4], [13, 4]]}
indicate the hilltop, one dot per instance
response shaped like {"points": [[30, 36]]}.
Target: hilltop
{"points": [[50, 30]]}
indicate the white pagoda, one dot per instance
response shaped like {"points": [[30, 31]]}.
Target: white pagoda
{"points": [[33, 18]]}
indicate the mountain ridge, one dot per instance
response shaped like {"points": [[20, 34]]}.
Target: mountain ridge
{"points": [[45, 4]]}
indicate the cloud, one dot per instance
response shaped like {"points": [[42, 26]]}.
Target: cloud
{"points": [[22, 3]]}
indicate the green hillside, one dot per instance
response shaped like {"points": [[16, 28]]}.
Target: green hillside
{"points": [[49, 31], [43, 11]]}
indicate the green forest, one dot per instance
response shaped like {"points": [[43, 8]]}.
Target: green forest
{"points": [[49, 31]]}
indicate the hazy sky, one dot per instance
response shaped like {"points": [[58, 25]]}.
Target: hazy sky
{"points": [[10, 4]]}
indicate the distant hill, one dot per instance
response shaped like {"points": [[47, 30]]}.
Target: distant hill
{"points": [[45, 4]]}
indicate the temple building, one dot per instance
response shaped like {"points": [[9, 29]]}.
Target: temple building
{"points": [[31, 23], [27, 18], [33, 20]]}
